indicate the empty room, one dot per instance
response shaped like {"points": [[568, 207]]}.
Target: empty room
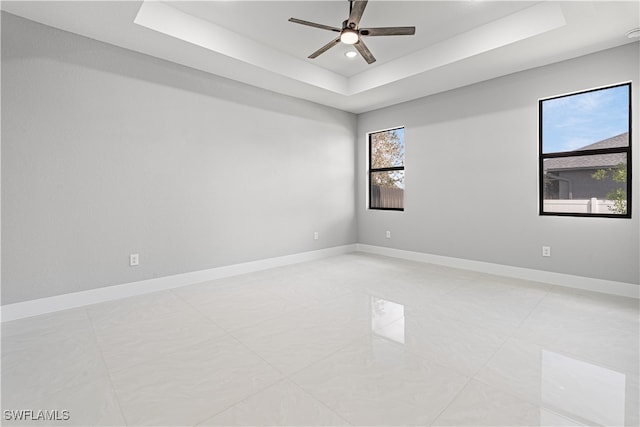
{"points": [[320, 213]]}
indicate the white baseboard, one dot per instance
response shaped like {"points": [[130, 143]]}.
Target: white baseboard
{"points": [[560, 279], [109, 293]]}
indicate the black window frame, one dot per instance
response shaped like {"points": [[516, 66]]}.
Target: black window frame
{"points": [[613, 150], [387, 169]]}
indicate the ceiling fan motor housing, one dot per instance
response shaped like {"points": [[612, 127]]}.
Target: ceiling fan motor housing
{"points": [[351, 32]]}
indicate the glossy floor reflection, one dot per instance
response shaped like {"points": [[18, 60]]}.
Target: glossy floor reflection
{"points": [[351, 340]]}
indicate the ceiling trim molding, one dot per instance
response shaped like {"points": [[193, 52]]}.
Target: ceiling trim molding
{"points": [[530, 22], [538, 34], [165, 19]]}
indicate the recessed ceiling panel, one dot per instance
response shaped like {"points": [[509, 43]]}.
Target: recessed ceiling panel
{"points": [[266, 22], [456, 43]]}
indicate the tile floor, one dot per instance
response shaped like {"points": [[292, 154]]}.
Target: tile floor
{"points": [[351, 340]]}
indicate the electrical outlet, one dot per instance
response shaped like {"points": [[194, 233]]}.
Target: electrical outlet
{"points": [[315, 235], [546, 251], [134, 259], [388, 234]]}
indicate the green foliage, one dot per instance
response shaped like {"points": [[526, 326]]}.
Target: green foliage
{"points": [[619, 173], [619, 195], [600, 174]]}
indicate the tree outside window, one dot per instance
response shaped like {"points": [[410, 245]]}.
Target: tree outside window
{"points": [[386, 169]]}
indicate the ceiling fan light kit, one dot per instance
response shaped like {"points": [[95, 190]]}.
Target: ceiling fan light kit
{"points": [[351, 33], [349, 37]]}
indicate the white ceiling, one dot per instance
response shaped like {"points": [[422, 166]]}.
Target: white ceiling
{"points": [[456, 42]]}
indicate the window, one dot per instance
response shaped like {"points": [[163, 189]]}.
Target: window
{"points": [[585, 153], [386, 169]]}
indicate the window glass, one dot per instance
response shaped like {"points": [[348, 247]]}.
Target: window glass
{"points": [[585, 153], [586, 184], [387, 149], [386, 169], [579, 121]]}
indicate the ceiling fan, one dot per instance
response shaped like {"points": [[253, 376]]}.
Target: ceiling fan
{"points": [[351, 33]]}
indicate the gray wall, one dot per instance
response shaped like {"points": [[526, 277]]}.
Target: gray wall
{"points": [[471, 149], [106, 152]]}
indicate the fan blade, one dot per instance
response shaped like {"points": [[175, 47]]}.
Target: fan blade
{"points": [[324, 48], [365, 52], [313, 24], [356, 12], [388, 31]]}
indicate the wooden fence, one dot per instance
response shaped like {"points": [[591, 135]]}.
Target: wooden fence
{"points": [[387, 197]]}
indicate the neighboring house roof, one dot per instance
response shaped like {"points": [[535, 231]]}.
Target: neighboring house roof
{"points": [[592, 162]]}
